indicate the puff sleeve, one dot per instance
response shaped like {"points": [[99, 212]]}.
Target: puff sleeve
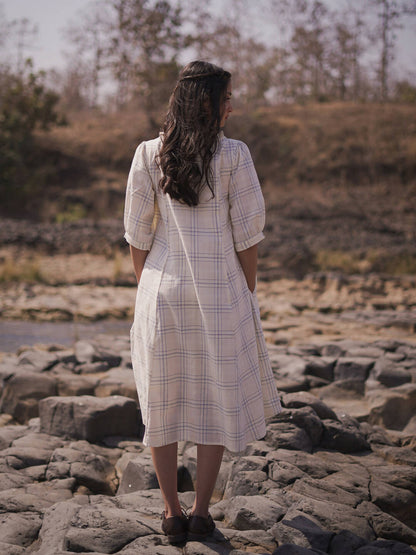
{"points": [[139, 208], [247, 211]]}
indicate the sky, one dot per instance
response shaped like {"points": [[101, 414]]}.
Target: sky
{"points": [[51, 17]]}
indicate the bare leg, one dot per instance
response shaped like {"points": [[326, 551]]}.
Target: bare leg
{"points": [[209, 459], [166, 466]]}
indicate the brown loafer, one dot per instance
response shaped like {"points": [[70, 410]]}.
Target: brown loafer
{"points": [[199, 527], [175, 528]]}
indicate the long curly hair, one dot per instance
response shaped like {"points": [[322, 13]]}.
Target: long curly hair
{"points": [[190, 131]]}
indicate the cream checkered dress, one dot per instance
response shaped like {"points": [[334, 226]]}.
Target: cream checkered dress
{"points": [[199, 356]]}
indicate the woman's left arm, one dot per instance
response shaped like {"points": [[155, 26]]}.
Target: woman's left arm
{"points": [[139, 258]]}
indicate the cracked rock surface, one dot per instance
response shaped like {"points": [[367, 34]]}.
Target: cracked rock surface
{"points": [[335, 473]]}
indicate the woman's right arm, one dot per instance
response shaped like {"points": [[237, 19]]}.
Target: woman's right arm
{"points": [[248, 261], [139, 258]]}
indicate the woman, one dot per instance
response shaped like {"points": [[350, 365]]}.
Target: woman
{"points": [[194, 214]]}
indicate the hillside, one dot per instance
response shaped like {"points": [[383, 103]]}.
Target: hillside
{"points": [[339, 182]]}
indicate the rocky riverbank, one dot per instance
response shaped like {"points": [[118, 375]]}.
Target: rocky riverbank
{"points": [[336, 472]]}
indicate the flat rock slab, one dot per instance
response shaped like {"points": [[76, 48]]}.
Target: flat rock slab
{"points": [[87, 417]]}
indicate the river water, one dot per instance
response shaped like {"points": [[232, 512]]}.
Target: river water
{"points": [[14, 333]]}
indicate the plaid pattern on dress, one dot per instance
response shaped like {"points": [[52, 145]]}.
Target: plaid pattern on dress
{"points": [[199, 356]]}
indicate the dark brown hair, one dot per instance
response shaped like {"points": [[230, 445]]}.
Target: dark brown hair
{"points": [[191, 129]]}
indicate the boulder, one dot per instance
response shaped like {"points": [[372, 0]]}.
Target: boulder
{"points": [[118, 381], [22, 393], [19, 529], [343, 437], [392, 408], [88, 417], [139, 474], [356, 368], [256, 512], [306, 399], [388, 374]]}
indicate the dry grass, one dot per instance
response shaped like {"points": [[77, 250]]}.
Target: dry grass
{"points": [[28, 270]]}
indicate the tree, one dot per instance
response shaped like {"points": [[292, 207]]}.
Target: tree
{"points": [[25, 105], [145, 39], [390, 13]]}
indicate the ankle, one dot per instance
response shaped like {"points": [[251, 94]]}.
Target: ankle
{"points": [[174, 511]]}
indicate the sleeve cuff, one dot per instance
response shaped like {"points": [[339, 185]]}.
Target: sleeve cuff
{"points": [[141, 245], [243, 245]]}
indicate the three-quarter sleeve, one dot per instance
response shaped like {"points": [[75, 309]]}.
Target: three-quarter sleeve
{"points": [[139, 208], [246, 201]]}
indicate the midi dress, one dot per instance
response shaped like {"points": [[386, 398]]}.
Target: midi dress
{"points": [[199, 356]]}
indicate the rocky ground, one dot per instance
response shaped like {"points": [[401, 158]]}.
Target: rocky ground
{"points": [[336, 472], [75, 477]]}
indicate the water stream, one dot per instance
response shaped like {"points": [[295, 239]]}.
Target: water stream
{"points": [[14, 333]]}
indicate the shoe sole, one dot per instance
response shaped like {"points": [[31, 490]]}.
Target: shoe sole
{"points": [[178, 538], [198, 537]]}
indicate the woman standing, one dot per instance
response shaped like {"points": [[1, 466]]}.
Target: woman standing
{"points": [[194, 214]]}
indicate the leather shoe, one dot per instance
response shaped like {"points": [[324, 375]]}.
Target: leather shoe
{"points": [[199, 527], [175, 528]]}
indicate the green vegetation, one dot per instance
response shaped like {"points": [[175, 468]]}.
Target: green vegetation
{"points": [[25, 106], [28, 271]]}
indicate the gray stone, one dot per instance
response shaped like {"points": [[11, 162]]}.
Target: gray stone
{"points": [[103, 528], [9, 549], [333, 517], [289, 366], [398, 502], [245, 483], [89, 469], [321, 367], [88, 417], [386, 526], [102, 354], [284, 473], [55, 524], [256, 512], [283, 435], [356, 368], [23, 391], [39, 441], [301, 531], [387, 373], [289, 549], [139, 474], [38, 361], [118, 381], [392, 408], [353, 478], [324, 491], [92, 368], [35, 497], [385, 547], [303, 350], [69, 384], [249, 540], [365, 352], [150, 545], [345, 543], [313, 465], [84, 351], [10, 480], [397, 475], [342, 437], [21, 457], [396, 455], [342, 390], [10, 433], [19, 528], [303, 399], [332, 350]]}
